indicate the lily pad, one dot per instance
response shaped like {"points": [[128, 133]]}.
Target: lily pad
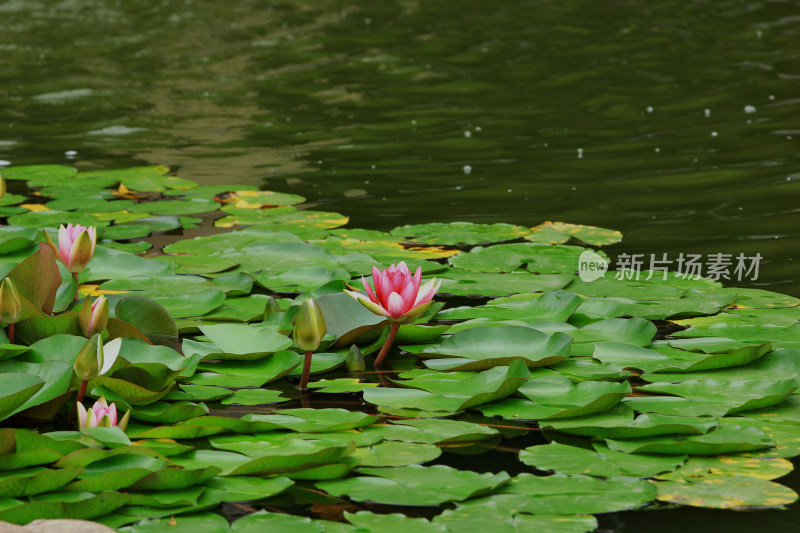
{"points": [[414, 485]]}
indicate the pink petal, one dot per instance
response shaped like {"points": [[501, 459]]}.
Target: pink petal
{"points": [[395, 305], [428, 296], [112, 414], [403, 268], [367, 288], [416, 279], [408, 293], [384, 289]]}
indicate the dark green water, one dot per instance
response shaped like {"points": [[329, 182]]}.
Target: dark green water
{"points": [[672, 121]]}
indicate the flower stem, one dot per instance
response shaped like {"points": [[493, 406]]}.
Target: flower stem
{"points": [[306, 371], [11, 333], [388, 343], [77, 292], [81, 394]]}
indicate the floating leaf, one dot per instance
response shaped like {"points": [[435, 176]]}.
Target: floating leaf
{"points": [[559, 397], [600, 462], [484, 387], [734, 492], [559, 232], [414, 485], [459, 233]]}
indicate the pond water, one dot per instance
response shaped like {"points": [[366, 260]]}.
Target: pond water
{"points": [[670, 121]]}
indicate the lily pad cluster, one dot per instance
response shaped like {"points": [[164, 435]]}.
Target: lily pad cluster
{"points": [[649, 392]]}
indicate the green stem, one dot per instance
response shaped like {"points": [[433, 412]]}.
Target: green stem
{"points": [[77, 293], [11, 333], [388, 343], [306, 371], [81, 394]]}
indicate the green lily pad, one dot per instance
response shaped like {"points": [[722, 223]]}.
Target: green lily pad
{"points": [[246, 488], [34, 172], [393, 453], [191, 206], [16, 390], [737, 395], [486, 517], [559, 232], [248, 373], [619, 422], [16, 484], [453, 397], [478, 349], [739, 492], [76, 505], [567, 495], [558, 397], [464, 283], [600, 462], [459, 233], [246, 341], [253, 397], [312, 420], [701, 468], [555, 305], [727, 438], [538, 258], [414, 485], [432, 431], [395, 522]]}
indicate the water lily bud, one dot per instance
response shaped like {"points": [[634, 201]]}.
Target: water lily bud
{"points": [[101, 415], [355, 360], [90, 359], [10, 306], [271, 308], [309, 326], [75, 246], [94, 316]]}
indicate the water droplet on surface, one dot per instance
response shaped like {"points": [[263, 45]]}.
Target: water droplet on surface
{"points": [[509, 190], [658, 149], [414, 122], [467, 169], [478, 128], [772, 97], [714, 133], [373, 167], [707, 112], [580, 153], [4, 163], [467, 134], [649, 109], [749, 109], [70, 153]]}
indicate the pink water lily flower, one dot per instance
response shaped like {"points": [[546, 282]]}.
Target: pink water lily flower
{"points": [[100, 415], [398, 296], [76, 246]]}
